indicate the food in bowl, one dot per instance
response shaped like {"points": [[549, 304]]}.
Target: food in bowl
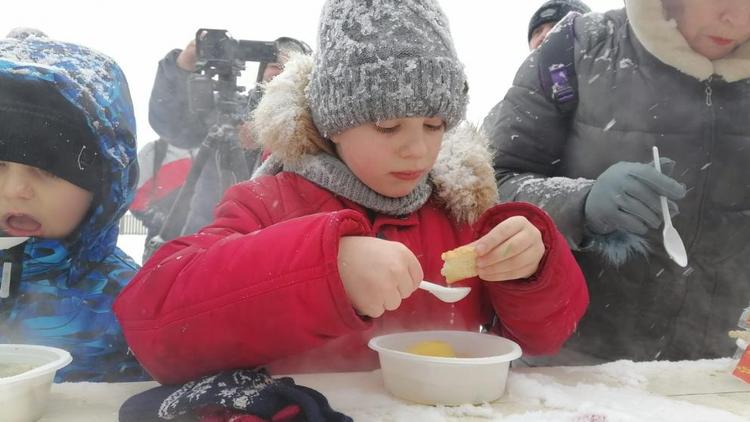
{"points": [[476, 375], [26, 379], [12, 369], [433, 348]]}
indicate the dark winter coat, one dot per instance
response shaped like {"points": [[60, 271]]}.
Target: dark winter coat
{"points": [[641, 85], [61, 291], [260, 285]]}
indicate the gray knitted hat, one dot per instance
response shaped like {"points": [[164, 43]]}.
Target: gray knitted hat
{"points": [[384, 59]]}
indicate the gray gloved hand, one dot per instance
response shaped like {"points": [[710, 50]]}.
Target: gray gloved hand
{"points": [[626, 197]]}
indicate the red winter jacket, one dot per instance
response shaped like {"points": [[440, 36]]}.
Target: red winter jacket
{"points": [[260, 286]]}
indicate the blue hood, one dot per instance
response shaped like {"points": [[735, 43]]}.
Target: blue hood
{"points": [[96, 85]]}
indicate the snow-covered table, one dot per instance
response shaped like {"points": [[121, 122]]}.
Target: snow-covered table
{"points": [[619, 391]]}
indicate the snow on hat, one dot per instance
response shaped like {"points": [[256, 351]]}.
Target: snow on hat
{"points": [[21, 33], [40, 128], [384, 59], [554, 11]]}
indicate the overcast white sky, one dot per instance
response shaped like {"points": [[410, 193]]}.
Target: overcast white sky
{"points": [[490, 35]]}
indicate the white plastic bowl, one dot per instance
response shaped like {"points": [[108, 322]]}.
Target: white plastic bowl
{"points": [[479, 377], [23, 397]]}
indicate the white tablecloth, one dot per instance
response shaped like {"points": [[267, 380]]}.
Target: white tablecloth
{"points": [[627, 391]]}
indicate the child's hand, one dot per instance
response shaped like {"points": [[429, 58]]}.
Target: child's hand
{"points": [[511, 250], [377, 274]]}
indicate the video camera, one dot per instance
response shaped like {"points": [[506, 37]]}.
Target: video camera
{"points": [[221, 59], [218, 52], [214, 95]]}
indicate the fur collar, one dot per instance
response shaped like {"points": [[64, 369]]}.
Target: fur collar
{"points": [[463, 176], [662, 39]]}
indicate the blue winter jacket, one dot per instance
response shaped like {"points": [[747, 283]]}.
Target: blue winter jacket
{"points": [[61, 291]]}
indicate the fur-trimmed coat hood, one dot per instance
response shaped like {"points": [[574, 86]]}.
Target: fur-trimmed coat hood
{"points": [[463, 174], [634, 93], [661, 38]]}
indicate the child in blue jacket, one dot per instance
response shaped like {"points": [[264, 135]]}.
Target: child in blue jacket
{"points": [[67, 174]]}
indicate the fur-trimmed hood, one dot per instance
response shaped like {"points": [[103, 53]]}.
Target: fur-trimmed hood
{"points": [[463, 175], [662, 39]]}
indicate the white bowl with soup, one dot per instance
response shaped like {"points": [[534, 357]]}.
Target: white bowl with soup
{"points": [[445, 367], [26, 375]]}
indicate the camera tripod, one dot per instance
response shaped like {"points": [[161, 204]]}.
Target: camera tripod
{"points": [[222, 144], [213, 89]]}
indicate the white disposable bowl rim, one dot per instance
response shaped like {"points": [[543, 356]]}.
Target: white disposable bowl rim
{"points": [[515, 353], [62, 359]]}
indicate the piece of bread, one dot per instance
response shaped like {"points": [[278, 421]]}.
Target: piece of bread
{"points": [[459, 263]]}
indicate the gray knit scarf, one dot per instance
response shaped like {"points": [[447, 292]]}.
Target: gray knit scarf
{"points": [[331, 173]]}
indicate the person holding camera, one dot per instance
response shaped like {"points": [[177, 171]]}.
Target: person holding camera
{"points": [[171, 118]]}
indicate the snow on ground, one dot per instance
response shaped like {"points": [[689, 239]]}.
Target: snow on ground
{"points": [[621, 391], [691, 391], [132, 244]]}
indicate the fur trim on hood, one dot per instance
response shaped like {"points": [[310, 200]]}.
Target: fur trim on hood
{"points": [[662, 39], [463, 175]]}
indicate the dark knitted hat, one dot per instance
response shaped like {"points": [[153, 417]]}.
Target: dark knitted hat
{"points": [[554, 11], [40, 128], [285, 46], [384, 59]]}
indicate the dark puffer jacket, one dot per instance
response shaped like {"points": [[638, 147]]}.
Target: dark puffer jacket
{"points": [[641, 85]]}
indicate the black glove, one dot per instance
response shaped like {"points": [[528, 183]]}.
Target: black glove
{"points": [[626, 197]]}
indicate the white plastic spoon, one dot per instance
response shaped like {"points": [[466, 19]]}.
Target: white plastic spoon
{"points": [[446, 294], [672, 241]]}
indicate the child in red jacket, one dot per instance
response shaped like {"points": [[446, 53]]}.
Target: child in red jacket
{"points": [[325, 248]]}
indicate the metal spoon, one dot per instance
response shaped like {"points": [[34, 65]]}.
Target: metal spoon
{"points": [[446, 294], [672, 241]]}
